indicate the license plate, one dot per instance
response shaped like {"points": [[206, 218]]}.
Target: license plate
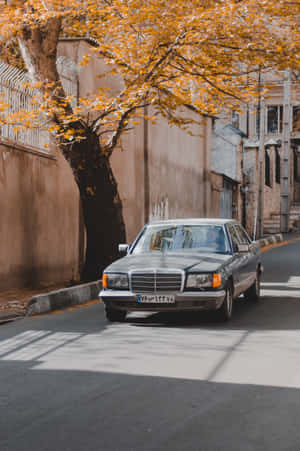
{"points": [[156, 299]]}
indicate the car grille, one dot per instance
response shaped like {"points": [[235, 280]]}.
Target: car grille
{"points": [[151, 282]]}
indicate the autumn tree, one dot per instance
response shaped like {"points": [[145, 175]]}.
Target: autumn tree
{"points": [[172, 55]]}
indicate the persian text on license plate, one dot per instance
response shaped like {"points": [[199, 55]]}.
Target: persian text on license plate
{"points": [[156, 299]]}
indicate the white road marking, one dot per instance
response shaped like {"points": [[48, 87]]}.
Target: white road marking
{"points": [[280, 293], [294, 281], [275, 284], [21, 340], [46, 343], [269, 288]]}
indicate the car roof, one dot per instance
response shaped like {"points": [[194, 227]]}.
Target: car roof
{"points": [[193, 221]]}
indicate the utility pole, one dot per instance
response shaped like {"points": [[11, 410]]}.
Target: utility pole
{"points": [[146, 168], [261, 159], [285, 166]]}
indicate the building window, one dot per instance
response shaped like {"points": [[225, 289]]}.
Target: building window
{"points": [[267, 169], [274, 119], [297, 165], [296, 118], [235, 119], [277, 166]]}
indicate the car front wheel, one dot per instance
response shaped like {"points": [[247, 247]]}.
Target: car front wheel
{"points": [[113, 315], [225, 311]]}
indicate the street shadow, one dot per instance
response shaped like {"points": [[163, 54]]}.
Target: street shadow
{"points": [[60, 410], [268, 314]]}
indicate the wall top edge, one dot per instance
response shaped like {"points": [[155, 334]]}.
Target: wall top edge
{"points": [[26, 148]]}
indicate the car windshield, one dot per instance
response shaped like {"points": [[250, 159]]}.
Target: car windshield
{"points": [[192, 238]]}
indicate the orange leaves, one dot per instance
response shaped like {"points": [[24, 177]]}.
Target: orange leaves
{"points": [[165, 53], [90, 190], [85, 60]]}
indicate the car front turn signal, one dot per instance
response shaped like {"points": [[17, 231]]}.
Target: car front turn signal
{"points": [[104, 281], [217, 280]]}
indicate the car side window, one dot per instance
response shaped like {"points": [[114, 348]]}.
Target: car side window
{"points": [[243, 237], [234, 238]]}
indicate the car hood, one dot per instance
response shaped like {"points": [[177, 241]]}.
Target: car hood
{"points": [[184, 261]]}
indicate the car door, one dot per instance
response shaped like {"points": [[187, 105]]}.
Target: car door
{"points": [[236, 265], [249, 261]]}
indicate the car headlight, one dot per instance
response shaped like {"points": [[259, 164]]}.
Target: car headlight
{"points": [[204, 280], [115, 281]]}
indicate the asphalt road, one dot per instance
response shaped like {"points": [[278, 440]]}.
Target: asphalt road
{"points": [[158, 382]]}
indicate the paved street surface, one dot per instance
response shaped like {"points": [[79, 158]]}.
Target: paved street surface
{"points": [[71, 381]]}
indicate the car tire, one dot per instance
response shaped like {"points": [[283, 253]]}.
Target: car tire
{"points": [[225, 311], [253, 293], [113, 315]]}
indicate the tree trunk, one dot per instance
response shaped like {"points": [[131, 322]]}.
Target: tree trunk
{"points": [[101, 205], [103, 219]]}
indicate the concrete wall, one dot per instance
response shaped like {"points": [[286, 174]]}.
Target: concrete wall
{"points": [[161, 174], [227, 151], [129, 170], [39, 225], [216, 188], [179, 167], [226, 159], [161, 171]]}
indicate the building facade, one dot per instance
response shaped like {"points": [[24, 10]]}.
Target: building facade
{"points": [[264, 128], [275, 151]]}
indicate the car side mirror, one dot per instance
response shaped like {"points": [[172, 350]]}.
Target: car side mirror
{"points": [[123, 248], [243, 248]]}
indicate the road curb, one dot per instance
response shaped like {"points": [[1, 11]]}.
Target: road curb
{"points": [[61, 299], [9, 315], [272, 239]]}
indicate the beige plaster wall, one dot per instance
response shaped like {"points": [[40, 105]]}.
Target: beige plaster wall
{"points": [[178, 184], [128, 167], [178, 168], [39, 226], [272, 193], [216, 188]]}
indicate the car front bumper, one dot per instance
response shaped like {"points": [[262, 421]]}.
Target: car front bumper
{"points": [[188, 300]]}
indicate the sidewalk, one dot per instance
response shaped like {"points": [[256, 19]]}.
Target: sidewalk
{"points": [[13, 303], [27, 301]]}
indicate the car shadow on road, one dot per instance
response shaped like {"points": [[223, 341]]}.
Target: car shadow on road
{"points": [[267, 314], [270, 313]]}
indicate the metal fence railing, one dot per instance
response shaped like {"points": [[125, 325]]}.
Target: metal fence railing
{"points": [[68, 71], [18, 95]]}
